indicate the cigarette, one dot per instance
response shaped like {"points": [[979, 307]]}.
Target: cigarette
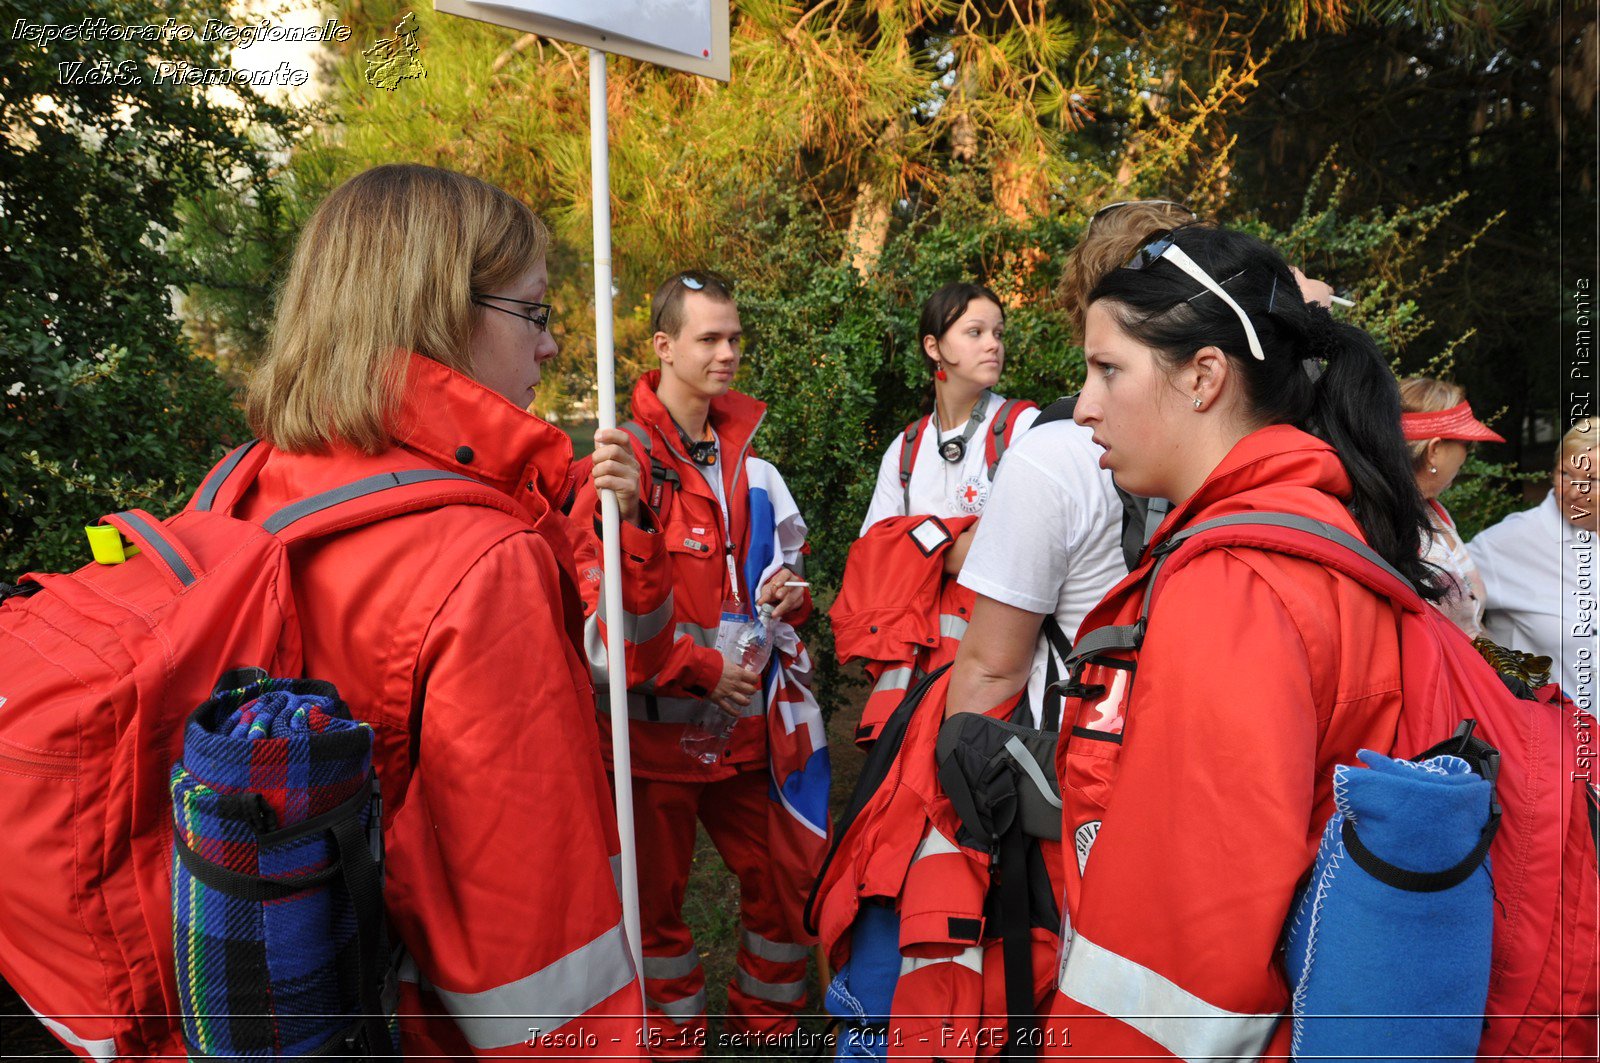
{"points": [[1340, 300], [797, 583]]}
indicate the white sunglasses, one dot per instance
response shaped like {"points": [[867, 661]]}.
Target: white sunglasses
{"points": [[1163, 247]]}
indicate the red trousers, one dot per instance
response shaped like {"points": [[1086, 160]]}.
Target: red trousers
{"points": [[769, 980]]}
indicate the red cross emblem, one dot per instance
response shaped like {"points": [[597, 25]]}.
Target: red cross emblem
{"points": [[969, 494]]}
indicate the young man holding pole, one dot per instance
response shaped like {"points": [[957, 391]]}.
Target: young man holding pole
{"points": [[692, 437]]}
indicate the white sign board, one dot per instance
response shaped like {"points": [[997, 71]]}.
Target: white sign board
{"points": [[689, 35]]}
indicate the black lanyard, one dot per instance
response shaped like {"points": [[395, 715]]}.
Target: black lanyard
{"points": [[955, 450]]}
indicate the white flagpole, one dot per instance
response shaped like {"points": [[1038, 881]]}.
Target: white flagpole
{"points": [[605, 376]]}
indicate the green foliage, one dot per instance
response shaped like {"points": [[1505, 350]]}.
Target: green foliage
{"points": [[1486, 492], [834, 353], [103, 404]]}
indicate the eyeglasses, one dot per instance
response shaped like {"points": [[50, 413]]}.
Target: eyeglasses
{"points": [[538, 313], [1113, 207], [1162, 247]]}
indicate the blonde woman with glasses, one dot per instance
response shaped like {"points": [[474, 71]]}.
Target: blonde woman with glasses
{"points": [[410, 335]]}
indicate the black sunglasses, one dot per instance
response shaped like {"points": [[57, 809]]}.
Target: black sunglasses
{"points": [[698, 280], [538, 313]]}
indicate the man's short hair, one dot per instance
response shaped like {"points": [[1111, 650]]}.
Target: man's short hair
{"points": [[1113, 235], [666, 306]]}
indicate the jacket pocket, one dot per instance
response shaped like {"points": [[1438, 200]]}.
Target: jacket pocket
{"points": [[1090, 754]]}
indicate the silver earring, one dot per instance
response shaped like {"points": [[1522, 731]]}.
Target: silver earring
{"points": [[1197, 404], [1433, 469]]}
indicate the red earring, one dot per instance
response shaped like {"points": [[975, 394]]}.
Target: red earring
{"points": [[939, 375]]}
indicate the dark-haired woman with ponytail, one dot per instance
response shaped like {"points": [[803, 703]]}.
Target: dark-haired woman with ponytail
{"points": [[1197, 770], [899, 608]]}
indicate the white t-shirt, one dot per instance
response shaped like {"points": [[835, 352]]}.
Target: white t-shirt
{"points": [[1539, 584], [1050, 540], [938, 487]]}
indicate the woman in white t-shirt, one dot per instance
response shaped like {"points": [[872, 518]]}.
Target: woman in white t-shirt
{"points": [[942, 464], [1440, 429], [899, 608]]}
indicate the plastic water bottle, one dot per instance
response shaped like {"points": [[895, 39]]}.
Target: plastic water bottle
{"points": [[707, 734]]}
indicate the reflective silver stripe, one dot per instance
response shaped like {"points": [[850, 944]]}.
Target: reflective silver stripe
{"points": [[102, 1051], [701, 636], [642, 627], [681, 1011], [671, 966], [893, 679], [616, 873], [636, 629], [1031, 769], [971, 958], [594, 647], [1177, 1020], [767, 949], [559, 993], [777, 992], [952, 626], [934, 844]]}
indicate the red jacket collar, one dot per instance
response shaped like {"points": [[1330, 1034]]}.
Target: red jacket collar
{"points": [[1278, 468], [734, 416], [459, 424]]}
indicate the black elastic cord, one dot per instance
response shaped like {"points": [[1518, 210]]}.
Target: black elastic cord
{"points": [[1419, 881]]}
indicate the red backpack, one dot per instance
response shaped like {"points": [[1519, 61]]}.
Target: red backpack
{"points": [[101, 668], [1545, 964]]}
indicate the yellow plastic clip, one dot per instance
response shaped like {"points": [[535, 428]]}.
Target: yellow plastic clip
{"points": [[105, 542]]}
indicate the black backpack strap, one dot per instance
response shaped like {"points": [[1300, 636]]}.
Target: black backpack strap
{"points": [[1008, 874], [1060, 648], [1060, 410], [908, 456], [1000, 434], [662, 478]]}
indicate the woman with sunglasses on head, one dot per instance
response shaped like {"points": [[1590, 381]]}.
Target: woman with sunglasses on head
{"points": [[410, 335], [899, 607], [1439, 428], [1196, 769]]}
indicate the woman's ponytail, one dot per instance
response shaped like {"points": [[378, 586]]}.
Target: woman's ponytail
{"points": [[1356, 408]]}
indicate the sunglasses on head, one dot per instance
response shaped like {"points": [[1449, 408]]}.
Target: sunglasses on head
{"points": [[1163, 247], [697, 280]]}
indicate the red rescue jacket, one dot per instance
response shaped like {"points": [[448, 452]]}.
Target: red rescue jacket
{"points": [[455, 634], [1197, 774], [698, 545], [897, 609]]}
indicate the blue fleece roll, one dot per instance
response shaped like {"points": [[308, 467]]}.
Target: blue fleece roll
{"points": [[863, 990], [1382, 971]]}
